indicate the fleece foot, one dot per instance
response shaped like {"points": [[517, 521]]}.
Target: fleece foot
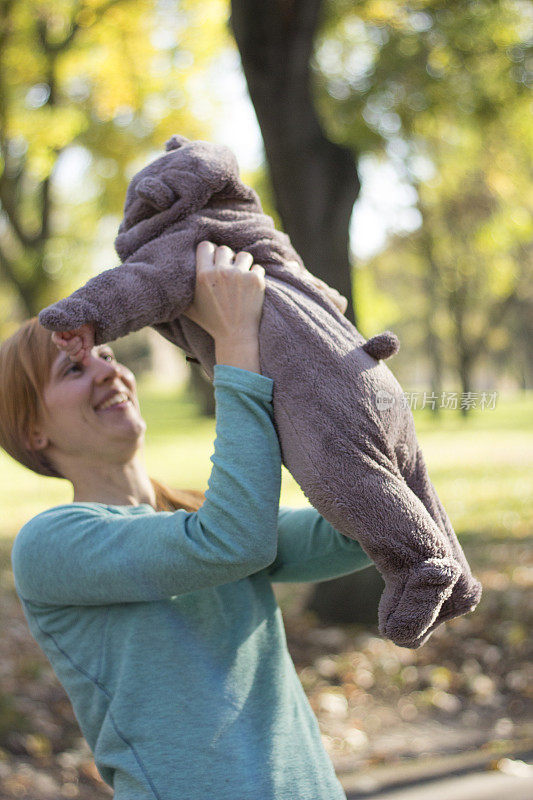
{"points": [[408, 609]]}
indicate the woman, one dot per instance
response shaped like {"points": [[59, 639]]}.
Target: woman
{"points": [[162, 624]]}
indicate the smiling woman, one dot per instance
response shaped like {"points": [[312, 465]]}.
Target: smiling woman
{"points": [[52, 410], [172, 608]]}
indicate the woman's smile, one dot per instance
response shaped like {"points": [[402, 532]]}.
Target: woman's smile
{"points": [[118, 400], [116, 406]]}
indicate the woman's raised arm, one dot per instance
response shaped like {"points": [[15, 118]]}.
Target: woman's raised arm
{"points": [[84, 554]]}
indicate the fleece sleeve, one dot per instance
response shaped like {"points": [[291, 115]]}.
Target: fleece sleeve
{"points": [[84, 555], [310, 549]]}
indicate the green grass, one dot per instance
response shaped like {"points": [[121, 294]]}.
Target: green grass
{"points": [[482, 467]]}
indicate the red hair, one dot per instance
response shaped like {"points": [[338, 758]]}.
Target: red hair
{"points": [[26, 359]]}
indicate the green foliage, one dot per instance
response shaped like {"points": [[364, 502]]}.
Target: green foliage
{"points": [[377, 309], [104, 84], [442, 90], [385, 68], [439, 88]]}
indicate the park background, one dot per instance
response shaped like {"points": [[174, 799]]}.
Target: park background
{"points": [[393, 142]]}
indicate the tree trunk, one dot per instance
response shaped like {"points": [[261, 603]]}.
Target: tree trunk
{"points": [[315, 184], [464, 360], [435, 356], [352, 598], [315, 181], [525, 312], [465, 377], [22, 265], [434, 348], [201, 389]]}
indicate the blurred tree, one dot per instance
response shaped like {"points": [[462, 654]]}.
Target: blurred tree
{"points": [[466, 272], [408, 82], [443, 92], [87, 90], [421, 83], [314, 179]]}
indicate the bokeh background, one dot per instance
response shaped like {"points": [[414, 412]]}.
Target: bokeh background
{"points": [[393, 142]]}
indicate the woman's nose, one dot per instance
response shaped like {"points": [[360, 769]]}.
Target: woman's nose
{"points": [[105, 369]]}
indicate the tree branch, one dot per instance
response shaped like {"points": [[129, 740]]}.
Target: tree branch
{"points": [[49, 47], [315, 180], [10, 209], [7, 266], [496, 315]]}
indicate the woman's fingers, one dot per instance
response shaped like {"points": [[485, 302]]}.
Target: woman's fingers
{"points": [[222, 256], [336, 297], [208, 255], [204, 255], [244, 260], [258, 269], [343, 303]]}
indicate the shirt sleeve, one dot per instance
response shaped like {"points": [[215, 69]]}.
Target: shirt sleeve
{"points": [[310, 549], [85, 555]]}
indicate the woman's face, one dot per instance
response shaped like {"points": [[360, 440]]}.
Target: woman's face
{"points": [[77, 421]]}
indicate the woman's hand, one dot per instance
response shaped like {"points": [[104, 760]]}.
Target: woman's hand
{"points": [[336, 297], [229, 293]]}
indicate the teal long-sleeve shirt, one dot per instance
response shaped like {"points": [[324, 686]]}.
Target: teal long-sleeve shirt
{"points": [[165, 632]]}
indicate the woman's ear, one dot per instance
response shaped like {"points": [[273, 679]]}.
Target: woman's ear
{"points": [[36, 441]]}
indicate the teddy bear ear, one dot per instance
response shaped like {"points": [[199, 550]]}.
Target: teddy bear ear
{"points": [[175, 142], [155, 192]]}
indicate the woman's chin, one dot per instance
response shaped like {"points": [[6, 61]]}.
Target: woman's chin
{"points": [[126, 418]]}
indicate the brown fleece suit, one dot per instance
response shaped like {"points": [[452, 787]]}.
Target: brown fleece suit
{"points": [[345, 432]]}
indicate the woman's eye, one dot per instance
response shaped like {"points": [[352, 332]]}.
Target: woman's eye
{"points": [[78, 366]]}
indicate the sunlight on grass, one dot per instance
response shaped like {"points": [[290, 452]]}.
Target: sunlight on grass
{"points": [[482, 467]]}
